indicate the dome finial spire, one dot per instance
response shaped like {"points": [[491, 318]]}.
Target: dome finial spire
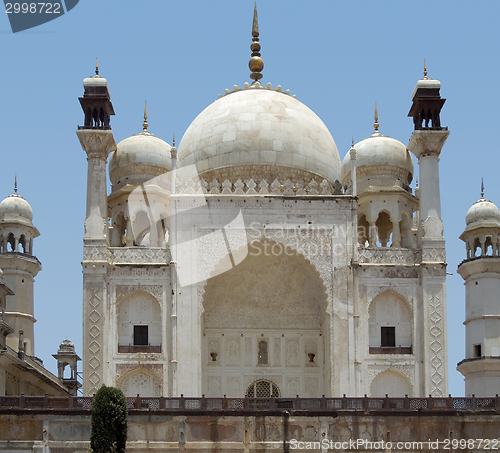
{"points": [[482, 188], [173, 142], [376, 125], [145, 123], [425, 69], [96, 67], [256, 64], [15, 184]]}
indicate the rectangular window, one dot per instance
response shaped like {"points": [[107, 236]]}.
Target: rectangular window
{"points": [[141, 336], [477, 350], [388, 337]]}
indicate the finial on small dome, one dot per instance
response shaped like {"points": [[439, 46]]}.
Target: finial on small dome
{"points": [[96, 67], [376, 125], [352, 143], [425, 70], [145, 123], [173, 142], [15, 184], [482, 188], [256, 64]]}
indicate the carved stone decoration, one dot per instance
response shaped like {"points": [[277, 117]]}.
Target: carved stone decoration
{"points": [[125, 371], [214, 387], [136, 255], [140, 272], [435, 328], [407, 370], [232, 352], [292, 388], [233, 387], [92, 354], [155, 290], [292, 353], [387, 256], [376, 290], [248, 352], [95, 253], [277, 351], [312, 387], [433, 227]]}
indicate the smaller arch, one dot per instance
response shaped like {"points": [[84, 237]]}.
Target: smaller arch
{"points": [[384, 228], [11, 243], [390, 321], [363, 231], [139, 381], [263, 388], [141, 227], [390, 382], [22, 247]]}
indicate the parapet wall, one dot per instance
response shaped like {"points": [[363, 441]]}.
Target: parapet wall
{"points": [[258, 424]]}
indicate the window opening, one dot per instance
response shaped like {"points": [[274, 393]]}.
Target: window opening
{"points": [[262, 359], [141, 336], [388, 337], [477, 350], [263, 389]]}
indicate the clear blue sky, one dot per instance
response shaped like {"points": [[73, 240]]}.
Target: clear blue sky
{"points": [[338, 57]]}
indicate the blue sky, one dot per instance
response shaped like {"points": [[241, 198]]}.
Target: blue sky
{"points": [[338, 57]]}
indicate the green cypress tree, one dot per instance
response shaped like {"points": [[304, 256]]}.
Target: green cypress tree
{"points": [[109, 421]]}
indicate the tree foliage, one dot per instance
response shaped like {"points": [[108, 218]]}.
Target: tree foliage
{"points": [[109, 421]]}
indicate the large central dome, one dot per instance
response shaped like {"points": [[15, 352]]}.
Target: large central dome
{"points": [[260, 133]]}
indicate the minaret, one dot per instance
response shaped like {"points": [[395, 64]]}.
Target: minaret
{"points": [[20, 268], [481, 273], [426, 143], [96, 139]]}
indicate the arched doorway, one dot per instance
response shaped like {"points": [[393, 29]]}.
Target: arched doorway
{"points": [[265, 319]]}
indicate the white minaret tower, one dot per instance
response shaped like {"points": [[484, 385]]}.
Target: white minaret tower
{"points": [[20, 268], [96, 138], [426, 143], [481, 272]]}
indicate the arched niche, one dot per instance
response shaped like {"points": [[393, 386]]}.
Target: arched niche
{"points": [[139, 323], [266, 315], [140, 382], [274, 287], [390, 324], [390, 383]]}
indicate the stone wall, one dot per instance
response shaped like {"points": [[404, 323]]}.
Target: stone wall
{"points": [[249, 429]]}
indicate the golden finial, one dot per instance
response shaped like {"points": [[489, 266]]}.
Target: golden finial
{"points": [[376, 125], [173, 142], [15, 184], [482, 188], [256, 64], [96, 67], [145, 124], [425, 69], [352, 141]]}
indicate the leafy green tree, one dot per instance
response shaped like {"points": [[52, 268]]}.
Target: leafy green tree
{"points": [[109, 421]]}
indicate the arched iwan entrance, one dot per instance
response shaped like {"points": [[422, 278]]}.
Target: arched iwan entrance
{"points": [[265, 319]]}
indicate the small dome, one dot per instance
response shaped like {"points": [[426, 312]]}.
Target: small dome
{"points": [[96, 81], [15, 208], [138, 159], [258, 133], [382, 160], [66, 346], [482, 213]]}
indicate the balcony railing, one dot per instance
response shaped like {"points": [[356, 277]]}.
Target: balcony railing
{"points": [[132, 349], [243, 405], [391, 349]]}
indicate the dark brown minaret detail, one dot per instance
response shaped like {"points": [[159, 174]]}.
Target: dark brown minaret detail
{"points": [[96, 103], [427, 104]]}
